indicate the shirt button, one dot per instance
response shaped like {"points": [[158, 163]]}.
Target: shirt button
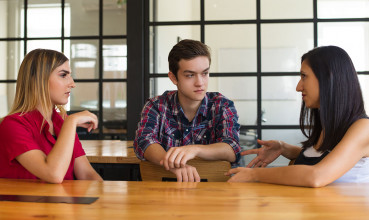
{"points": [[187, 129], [204, 136]]}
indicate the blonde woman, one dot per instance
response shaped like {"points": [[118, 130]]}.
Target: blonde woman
{"points": [[37, 140]]}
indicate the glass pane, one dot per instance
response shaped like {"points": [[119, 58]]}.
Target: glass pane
{"points": [[230, 10], [280, 102], [241, 90], [44, 44], [286, 9], [12, 53], [364, 83], [7, 93], [164, 38], [85, 97], [343, 8], [233, 47], [115, 17], [11, 18], [351, 36], [85, 17], [115, 59], [115, 107], [283, 44], [84, 58], [44, 18], [159, 85], [175, 10]]}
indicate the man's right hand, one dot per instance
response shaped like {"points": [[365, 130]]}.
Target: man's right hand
{"points": [[177, 157], [186, 174]]}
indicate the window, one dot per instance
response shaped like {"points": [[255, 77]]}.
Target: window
{"points": [[256, 50], [92, 34]]}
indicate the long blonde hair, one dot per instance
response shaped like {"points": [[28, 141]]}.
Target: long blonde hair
{"points": [[32, 89]]}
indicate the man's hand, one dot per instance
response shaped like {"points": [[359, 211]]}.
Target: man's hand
{"points": [[186, 174], [177, 157]]}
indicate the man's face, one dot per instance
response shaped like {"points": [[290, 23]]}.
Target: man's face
{"points": [[192, 79]]}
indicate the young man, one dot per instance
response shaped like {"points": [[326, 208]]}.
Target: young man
{"points": [[190, 122]]}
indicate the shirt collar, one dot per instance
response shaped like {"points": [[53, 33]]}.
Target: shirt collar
{"points": [[176, 107]]}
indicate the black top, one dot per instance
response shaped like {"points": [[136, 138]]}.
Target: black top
{"points": [[304, 160]]}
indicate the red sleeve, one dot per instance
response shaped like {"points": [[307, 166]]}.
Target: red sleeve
{"points": [[17, 137]]}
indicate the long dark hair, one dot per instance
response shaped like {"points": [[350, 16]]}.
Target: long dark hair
{"points": [[341, 100]]}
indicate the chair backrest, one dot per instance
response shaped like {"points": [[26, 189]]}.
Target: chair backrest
{"points": [[209, 171]]}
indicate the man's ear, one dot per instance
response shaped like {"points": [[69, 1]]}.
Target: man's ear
{"points": [[173, 78]]}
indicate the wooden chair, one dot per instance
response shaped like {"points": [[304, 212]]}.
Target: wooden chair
{"points": [[209, 171]]}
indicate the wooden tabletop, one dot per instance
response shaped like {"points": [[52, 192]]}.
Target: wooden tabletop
{"points": [[110, 151], [170, 200]]}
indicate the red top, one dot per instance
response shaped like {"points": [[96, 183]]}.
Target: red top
{"points": [[19, 134]]}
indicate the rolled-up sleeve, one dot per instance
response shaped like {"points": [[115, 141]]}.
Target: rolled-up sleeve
{"points": [[147, 131], [228, 128]]}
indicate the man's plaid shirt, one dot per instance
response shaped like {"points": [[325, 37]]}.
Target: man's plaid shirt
{"points": [[163, 122]]}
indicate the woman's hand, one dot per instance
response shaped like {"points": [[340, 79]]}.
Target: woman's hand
{"points": [[269, 151], [241, 174], [84, 119]]}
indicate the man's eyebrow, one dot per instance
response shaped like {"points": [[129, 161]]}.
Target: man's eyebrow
{"points": [[190, 71], [205, 70]]}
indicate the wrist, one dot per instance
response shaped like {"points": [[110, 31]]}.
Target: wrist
{"points": [[281, 146], [253, 174], [71, 120], [196, 149]]}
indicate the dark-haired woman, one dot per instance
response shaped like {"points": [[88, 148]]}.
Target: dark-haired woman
{"points": [[334, 121]]}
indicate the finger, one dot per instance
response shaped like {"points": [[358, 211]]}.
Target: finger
{"points": [[190, 173], [259, 164], [232, 171], [178, 159], [184, 175], [253, 162], [172, 158], [165, 160], [251, 151], [184, 160], [197, 176], [264, 164], [179, 176]]}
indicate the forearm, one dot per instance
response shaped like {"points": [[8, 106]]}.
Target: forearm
{"points": [[155, 153], [217, 151], [59, 158], [290, 151], [297, 175]]}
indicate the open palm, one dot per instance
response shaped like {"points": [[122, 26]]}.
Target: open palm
{"points": [[269, 151]]}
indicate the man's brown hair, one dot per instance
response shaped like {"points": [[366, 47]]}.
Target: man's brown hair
{"points": [[188, 50]]}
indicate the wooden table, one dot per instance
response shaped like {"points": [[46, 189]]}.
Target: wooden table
{"points": [[113, 159], [171, 200], [110, 151]]}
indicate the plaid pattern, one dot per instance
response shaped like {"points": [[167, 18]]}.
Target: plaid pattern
{"points": [[163, 122]]}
